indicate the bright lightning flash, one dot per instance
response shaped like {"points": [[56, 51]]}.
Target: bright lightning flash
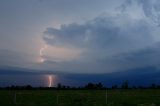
{"points": [[50, 81], [41, 53]]}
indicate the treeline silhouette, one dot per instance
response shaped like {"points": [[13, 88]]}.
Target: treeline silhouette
{"points": [[89, 86]]}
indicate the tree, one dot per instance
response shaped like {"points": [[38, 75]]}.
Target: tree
{"points": [[114, 86], [59, 85], [99, 85], [94, 86], [90, 86], [153, 86], [28, 87], [125, 85]]}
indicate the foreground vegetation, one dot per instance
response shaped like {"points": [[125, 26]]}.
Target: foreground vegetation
{"points": [[130, 97]]}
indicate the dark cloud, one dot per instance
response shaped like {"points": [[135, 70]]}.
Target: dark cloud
{"points": [[102, 32], [112, 42], [104, 38], [147, 57], [105, 43], [140, 76]]}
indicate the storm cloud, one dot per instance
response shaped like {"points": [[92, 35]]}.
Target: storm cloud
{"points": [[81, 36], [111, 42]]}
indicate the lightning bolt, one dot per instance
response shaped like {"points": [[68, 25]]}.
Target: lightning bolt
{"points": [[50, 81], [41, 53]]}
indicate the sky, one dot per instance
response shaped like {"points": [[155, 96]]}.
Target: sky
{"points": [[79, 36]]}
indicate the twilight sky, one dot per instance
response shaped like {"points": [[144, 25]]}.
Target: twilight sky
{"points": [[80, 36]]}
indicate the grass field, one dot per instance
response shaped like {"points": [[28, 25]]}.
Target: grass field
{"points": [[147, 97]]}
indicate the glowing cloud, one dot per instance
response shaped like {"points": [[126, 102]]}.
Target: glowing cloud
{"points": [[41, 53]]}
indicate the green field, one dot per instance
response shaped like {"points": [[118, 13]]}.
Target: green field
{"points": [[80, 97]]}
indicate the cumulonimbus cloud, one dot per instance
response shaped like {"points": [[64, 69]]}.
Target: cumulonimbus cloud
{"points": [[105, 37], [118, 33]]}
